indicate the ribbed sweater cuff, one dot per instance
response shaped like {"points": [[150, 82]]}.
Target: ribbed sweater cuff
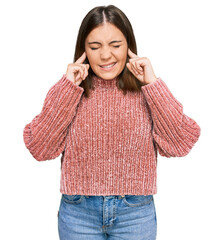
{"points": [[70, 84]]}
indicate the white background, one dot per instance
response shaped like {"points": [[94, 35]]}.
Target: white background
{"points": [[184, 41]]}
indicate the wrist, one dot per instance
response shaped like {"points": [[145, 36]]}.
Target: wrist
{"points": [[152, 79]]}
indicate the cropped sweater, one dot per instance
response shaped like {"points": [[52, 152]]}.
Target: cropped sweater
{"points": [[109, 141]]}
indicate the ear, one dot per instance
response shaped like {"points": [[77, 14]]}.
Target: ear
{"points": [[86, 61], [127, 59]]}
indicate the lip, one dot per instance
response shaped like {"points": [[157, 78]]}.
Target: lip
{"points": [[108, 69]]}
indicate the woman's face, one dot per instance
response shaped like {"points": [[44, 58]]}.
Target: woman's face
{"points": [[106, 49]]}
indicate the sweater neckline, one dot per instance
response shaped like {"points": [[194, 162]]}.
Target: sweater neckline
{"points": [[103, 83]]}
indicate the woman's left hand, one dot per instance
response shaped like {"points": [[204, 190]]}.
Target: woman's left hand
{"points": [[141, 68]]}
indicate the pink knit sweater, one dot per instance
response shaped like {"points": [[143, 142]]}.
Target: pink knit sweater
{"points": [[109, 141]]}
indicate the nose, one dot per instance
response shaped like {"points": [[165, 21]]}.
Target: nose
{"points": [[105, 53]]}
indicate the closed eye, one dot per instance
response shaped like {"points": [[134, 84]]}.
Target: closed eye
{"points": [[113, 46]]}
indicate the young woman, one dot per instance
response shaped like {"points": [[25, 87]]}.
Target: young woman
{"points": [[108, 116]]}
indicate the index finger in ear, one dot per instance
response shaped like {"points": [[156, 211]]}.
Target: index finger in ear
{"points": [[131, 54], [82, 58]]}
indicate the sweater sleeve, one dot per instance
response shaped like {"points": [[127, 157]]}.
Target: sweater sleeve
{"points": [[45, 135], [174, 133]]}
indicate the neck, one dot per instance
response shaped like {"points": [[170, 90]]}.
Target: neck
{"points": [[104, 83]]}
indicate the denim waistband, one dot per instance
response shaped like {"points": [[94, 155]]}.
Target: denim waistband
{"points": [[107, 197]]}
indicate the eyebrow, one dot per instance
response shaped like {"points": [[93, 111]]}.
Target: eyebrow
{"points": [[100, 43]]}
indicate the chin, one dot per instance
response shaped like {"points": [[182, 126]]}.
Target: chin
{"points": [[107, 76]]}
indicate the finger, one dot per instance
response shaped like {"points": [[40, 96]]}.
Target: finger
{"points": [[82, 71], [131, 54], [135, 62], [82, 58], [138, 67], [85, 74], [131, 69], [86, 70], [134, 68], [77, 76]]}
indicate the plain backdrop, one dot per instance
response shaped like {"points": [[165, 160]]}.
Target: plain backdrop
{"points": [[184, 42]]}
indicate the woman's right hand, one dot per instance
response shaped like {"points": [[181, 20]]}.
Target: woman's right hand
{"points": [[77, 72]]}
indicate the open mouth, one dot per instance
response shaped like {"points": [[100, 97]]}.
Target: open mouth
{"points": [[108, 67]]}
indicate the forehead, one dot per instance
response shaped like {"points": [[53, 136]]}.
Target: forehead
{"points": [[105, 33]]}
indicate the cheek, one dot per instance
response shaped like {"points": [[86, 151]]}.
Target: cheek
{"points": [[122, 55], [123, 58], [92, 57]]}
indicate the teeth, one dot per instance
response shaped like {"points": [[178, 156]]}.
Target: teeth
{"points": [[108, 66]]}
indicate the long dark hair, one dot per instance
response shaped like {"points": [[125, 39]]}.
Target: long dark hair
{"points": [[94, 18]]}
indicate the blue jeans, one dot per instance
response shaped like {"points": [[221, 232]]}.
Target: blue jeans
{"points": [[107, 217]]}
